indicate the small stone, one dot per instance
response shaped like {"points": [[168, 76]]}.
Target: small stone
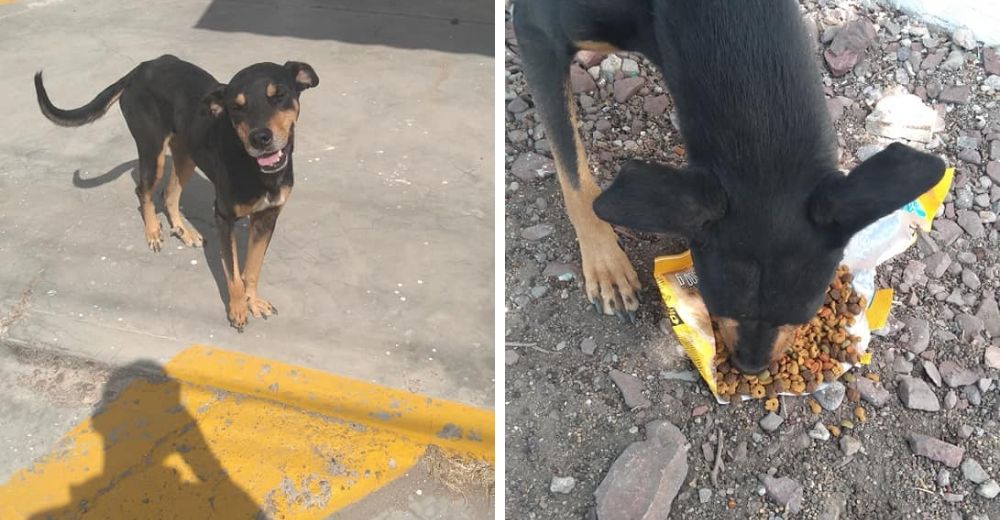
{"points": [[992, 357], [588, 346], [989, 489], [971, 223], [699, 410], [953, 497], [971, 279], [609, 66], [630, 68], [985, 384], [836, 105], [871, 391], [704, 495], [989, 314], [656, 105], [955, 61], [973, 471], [537, 232], [920, 334], [958, 94], [785, 492], [937, 264], [943, 478], [562, 485], [644, 480], [580, 80], [771, 422], [932, 372], [532, 166], [848, 46], [955, 375], [849, 445], [972, 395], [950, 400], [916, 395], [561, 271], [970, 156], [947, 231], [935, 449], [511, 357], [625, 88], [991, 60], [832, 396], [901, 366], [902, 115], [631, 389], [993, 169], [965, 38], [867, 151], [820, 432]]}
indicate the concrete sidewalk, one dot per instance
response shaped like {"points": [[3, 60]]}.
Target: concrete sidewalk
{"points": [[382, 262]]}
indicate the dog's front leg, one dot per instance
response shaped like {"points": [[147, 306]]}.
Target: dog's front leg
{"points": [[261, 229], [237, 309]]}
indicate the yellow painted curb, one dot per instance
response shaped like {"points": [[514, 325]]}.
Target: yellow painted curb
{"points": [[226, 435]]}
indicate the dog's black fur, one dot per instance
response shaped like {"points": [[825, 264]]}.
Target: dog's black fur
{"points": [[241, 135], [762, 203]]}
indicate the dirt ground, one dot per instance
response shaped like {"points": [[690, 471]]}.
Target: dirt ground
{"points": [[565, 417]]}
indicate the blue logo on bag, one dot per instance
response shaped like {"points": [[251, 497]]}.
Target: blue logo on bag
{"points": [[915, 208]]}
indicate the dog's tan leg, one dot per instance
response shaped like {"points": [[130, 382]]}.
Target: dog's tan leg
{"points": [[183, 170], [608, 275], [237, 309], [261, 229], [147, 183]]}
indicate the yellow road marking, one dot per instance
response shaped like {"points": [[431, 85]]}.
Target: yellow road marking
{"points": [[225, 435]]}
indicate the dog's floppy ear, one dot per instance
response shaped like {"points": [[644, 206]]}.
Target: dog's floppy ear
{"points": [[661, 199], [213, 102], [875, 188], [305, 76]]}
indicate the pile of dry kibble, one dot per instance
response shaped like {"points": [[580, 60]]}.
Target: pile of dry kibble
{"points": [[814, 357]]}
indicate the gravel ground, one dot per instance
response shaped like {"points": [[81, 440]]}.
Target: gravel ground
{"points": [[565, 416]]}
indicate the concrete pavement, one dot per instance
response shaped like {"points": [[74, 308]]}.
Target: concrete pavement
{"points": [[382, 262]]}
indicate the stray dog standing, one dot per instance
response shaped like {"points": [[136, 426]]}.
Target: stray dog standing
{"points": [[241, 135], [761, 201]]}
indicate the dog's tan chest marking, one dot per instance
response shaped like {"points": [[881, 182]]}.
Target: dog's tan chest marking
{"points": [[268, 201]]}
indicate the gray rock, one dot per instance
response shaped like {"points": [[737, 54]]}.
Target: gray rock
{"points": [[971, 223], [989, 489], [992, 357], [943, 478], [935, 449], [517, 105], [950, 400], [958, 94], [832, 396], [973, 471], [955, 61], [953, 498], [836, 105], [588, 346], [913, 273], [971, 279], [630, 67], [947, 231], [964, 38], [820, 432], [656, 105], [955, 375], [993, 167], [901, 366], [916, 395], [833, 506], [920, 334], [901, 115], [871, 391], [937, 264], [511, 357], [970, 156], [532, 166], [989, 314], [537, 232], [849, 445], [932, 372], [631, 389], [972, 395], [679, 375], [580, 80], [644, 480], [625, 88], [561, 271], [985, 384], [704, 495], [771, 422], [785, 492], [867, 151], [991, 60], [562, 485], [609, 66], [970, 325]]}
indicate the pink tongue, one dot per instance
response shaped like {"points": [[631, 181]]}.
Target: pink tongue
{"points": [[268, 160]]}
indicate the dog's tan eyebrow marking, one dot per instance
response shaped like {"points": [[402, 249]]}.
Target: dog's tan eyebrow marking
{"points": [[271, 90], [240, 99]]}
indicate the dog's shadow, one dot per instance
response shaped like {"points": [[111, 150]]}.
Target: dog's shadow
{"points": [[197, 206]]}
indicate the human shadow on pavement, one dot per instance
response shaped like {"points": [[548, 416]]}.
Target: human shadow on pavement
{"points": [[456, 26], [197, 201], [157, 463]]}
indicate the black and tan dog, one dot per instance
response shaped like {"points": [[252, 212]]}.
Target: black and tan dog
{"points": [[762, 203], [241, 135]]}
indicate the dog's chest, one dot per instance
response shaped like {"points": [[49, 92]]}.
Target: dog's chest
{"points": [[265, 202]]}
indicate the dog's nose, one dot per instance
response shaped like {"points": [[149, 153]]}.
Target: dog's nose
{"points": [[261, 138], [749, 366]]}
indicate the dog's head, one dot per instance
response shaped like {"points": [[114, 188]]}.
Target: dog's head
{"points": [[765, 253], [262, 103]]}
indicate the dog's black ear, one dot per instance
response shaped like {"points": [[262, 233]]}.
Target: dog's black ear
{"points": [[305, 76], [213, 102], [882, 184], [661, 199]]}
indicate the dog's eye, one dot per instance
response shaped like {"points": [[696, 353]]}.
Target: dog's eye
{"points": [[279, 95], [237, 108]]}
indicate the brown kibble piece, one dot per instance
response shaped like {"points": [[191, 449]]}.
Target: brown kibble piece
{"points": [[859, 412], [834, 430], [814, 407], [771, 404], [853, 394]]}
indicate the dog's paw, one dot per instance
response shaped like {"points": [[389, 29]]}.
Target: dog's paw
{"points": [[190, 237], [154, 238], [238, 314], [260, 308], [609, 278]]}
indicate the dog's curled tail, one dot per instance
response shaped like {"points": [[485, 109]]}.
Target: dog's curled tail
{"points": [[78, 116]]}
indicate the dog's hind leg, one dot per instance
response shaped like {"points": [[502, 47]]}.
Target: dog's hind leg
{"points": [[183, 170], [611, 282], [151, 160]]}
